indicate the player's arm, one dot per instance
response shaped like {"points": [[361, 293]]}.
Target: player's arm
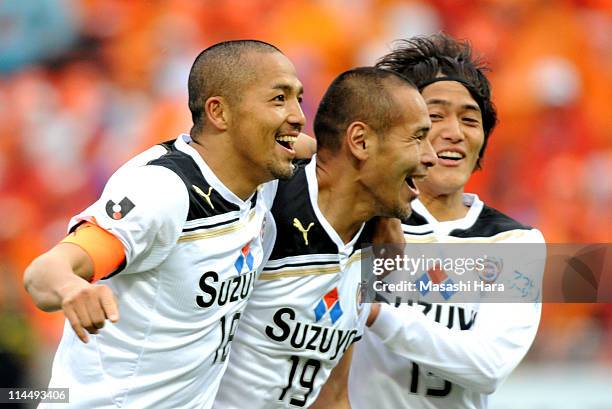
{"points": [[388, 231], [60, 279], [134, 225], [479, 359], [334, 393], [305, 146], [388, 237]]}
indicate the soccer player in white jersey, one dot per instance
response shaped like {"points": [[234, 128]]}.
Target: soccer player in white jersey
{"points": [[446, 355], [177, 237], [305, 312]]}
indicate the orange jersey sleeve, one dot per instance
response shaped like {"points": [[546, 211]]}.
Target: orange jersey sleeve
{"points": [[105, 250]]}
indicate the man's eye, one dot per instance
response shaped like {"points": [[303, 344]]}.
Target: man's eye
{"points": [[435, 116], [280, 98], [471, 121], [300, 99], [420, 137]]}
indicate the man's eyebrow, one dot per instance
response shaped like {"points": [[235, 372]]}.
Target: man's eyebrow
{"points": [[470, 107], [436, 101], [288, 88], [443, 102]]}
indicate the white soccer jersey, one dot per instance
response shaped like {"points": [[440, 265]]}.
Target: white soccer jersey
{"points": [[193, 250], [445, 355], [304, 312]]}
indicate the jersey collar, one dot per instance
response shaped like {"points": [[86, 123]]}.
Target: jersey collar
{"points": [[444, 228], [313, 193], [182, 144]]}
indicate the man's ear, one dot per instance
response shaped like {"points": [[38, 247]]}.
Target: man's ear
{"points": [[217, 112], [359, 139]]}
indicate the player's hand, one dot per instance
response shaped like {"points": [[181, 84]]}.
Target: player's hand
{"points": [[388, 239], [87, 307], [389, 231], [305, 146], [374, 310]]}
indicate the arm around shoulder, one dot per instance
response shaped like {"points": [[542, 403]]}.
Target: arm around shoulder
{"points": [[305, 146]]}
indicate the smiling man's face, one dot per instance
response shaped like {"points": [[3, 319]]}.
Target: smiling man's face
{"points": [[268, 117], [456, 135], [402, 156]]}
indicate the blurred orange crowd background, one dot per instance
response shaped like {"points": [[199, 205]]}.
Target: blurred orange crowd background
{"points": [[86, 84]]}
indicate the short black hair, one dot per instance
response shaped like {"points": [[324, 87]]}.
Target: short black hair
{"points": [[423, 59], [360, 94], [221, 70]]}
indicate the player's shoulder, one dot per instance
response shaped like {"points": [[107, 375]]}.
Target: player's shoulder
{"points": [[492, 222], [145, 157], [204, 199], [178, 162], [296, 186], [299, 230], [293, 195], [157, 186]]}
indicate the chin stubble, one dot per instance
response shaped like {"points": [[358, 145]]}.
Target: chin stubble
{"points": [[281, 172]]}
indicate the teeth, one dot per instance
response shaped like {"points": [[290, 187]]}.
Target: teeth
{"points": [[287, 138], [450, 154]]}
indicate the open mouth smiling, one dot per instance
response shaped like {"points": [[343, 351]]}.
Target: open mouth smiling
{"points": [[451, 155], [286, 141]]}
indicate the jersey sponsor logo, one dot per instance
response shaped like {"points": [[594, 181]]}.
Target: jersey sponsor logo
{"points": [[298, 225], [493, 266], [305, 336], [206, 196], [436, 279], [245, 258], [329, 303], [230, 290], [119, 210]]}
